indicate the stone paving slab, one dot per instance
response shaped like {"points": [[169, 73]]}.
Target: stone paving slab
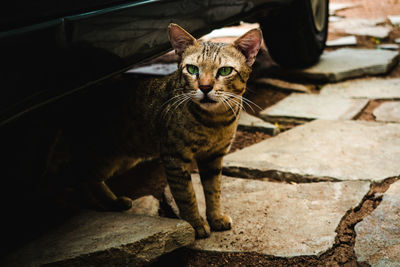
{"points": [[363, 27], [284, 220], [251, 123], [381, 32], [323, 150], [394, 19], [114, 238], [348, 63], [378, 235], [284, 85], [334, 18], [334, 7], [371, 88], [388, 112], [314, 106], [394, 47], [346, 40]]}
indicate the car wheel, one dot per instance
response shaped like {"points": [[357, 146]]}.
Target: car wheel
{"points": [[295, 35]]}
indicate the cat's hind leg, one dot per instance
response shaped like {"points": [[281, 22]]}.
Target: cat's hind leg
{"points": [[104, 198]]}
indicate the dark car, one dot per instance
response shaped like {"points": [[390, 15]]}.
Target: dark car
{"points": [[50, 49]]}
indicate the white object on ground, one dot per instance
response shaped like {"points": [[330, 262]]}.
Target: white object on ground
{"points": [[347, 40]]}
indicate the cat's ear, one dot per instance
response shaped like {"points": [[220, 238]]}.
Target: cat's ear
{"points": [[249, 44], [179, 38]]}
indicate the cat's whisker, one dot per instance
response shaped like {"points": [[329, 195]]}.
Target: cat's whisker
{"points": [[230, 106], [172, 98], [176, 99], [238, 104], [176, 96], [184, 99], [251, 102], [221, 98], [222, 101], [246, 101], [243, 103], [234, 98]]}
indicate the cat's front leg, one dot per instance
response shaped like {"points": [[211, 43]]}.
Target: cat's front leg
{"points": [[210, 172], [177, 169]]}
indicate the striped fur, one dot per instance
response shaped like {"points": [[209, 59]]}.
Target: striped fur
{"points": [[167, 118]]}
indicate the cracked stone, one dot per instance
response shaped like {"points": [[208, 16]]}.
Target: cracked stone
{"points": [[252, 123], [378, 235], [388, 112], [371, 88], [117, 238], [313, 106], [348, 63], [323, 150], [284, 220]]}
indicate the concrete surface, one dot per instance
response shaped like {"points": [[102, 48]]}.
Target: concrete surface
{"points": [[312, 106], [348, 63], [371, 88]]}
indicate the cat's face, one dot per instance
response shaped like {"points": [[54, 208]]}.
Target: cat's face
{"points": [[215, 73]]}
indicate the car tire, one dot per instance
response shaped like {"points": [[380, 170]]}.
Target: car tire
{"points": [[295, 35]]}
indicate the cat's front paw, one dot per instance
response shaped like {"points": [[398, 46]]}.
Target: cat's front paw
{"points": [[202, 229], [220, 223]]}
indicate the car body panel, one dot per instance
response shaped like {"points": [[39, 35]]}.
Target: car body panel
{"points": [[54, 58]]}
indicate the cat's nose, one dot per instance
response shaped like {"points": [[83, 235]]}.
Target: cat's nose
{"points": [[205, 88]]}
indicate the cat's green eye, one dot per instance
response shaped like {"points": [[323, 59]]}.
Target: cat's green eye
{"points": [[224, 71], [192, 69]]}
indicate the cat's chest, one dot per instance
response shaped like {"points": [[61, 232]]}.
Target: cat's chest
{"points": [[187, 133]]}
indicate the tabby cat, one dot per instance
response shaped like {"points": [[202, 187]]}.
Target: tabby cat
{"points": [[189, 115]]}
